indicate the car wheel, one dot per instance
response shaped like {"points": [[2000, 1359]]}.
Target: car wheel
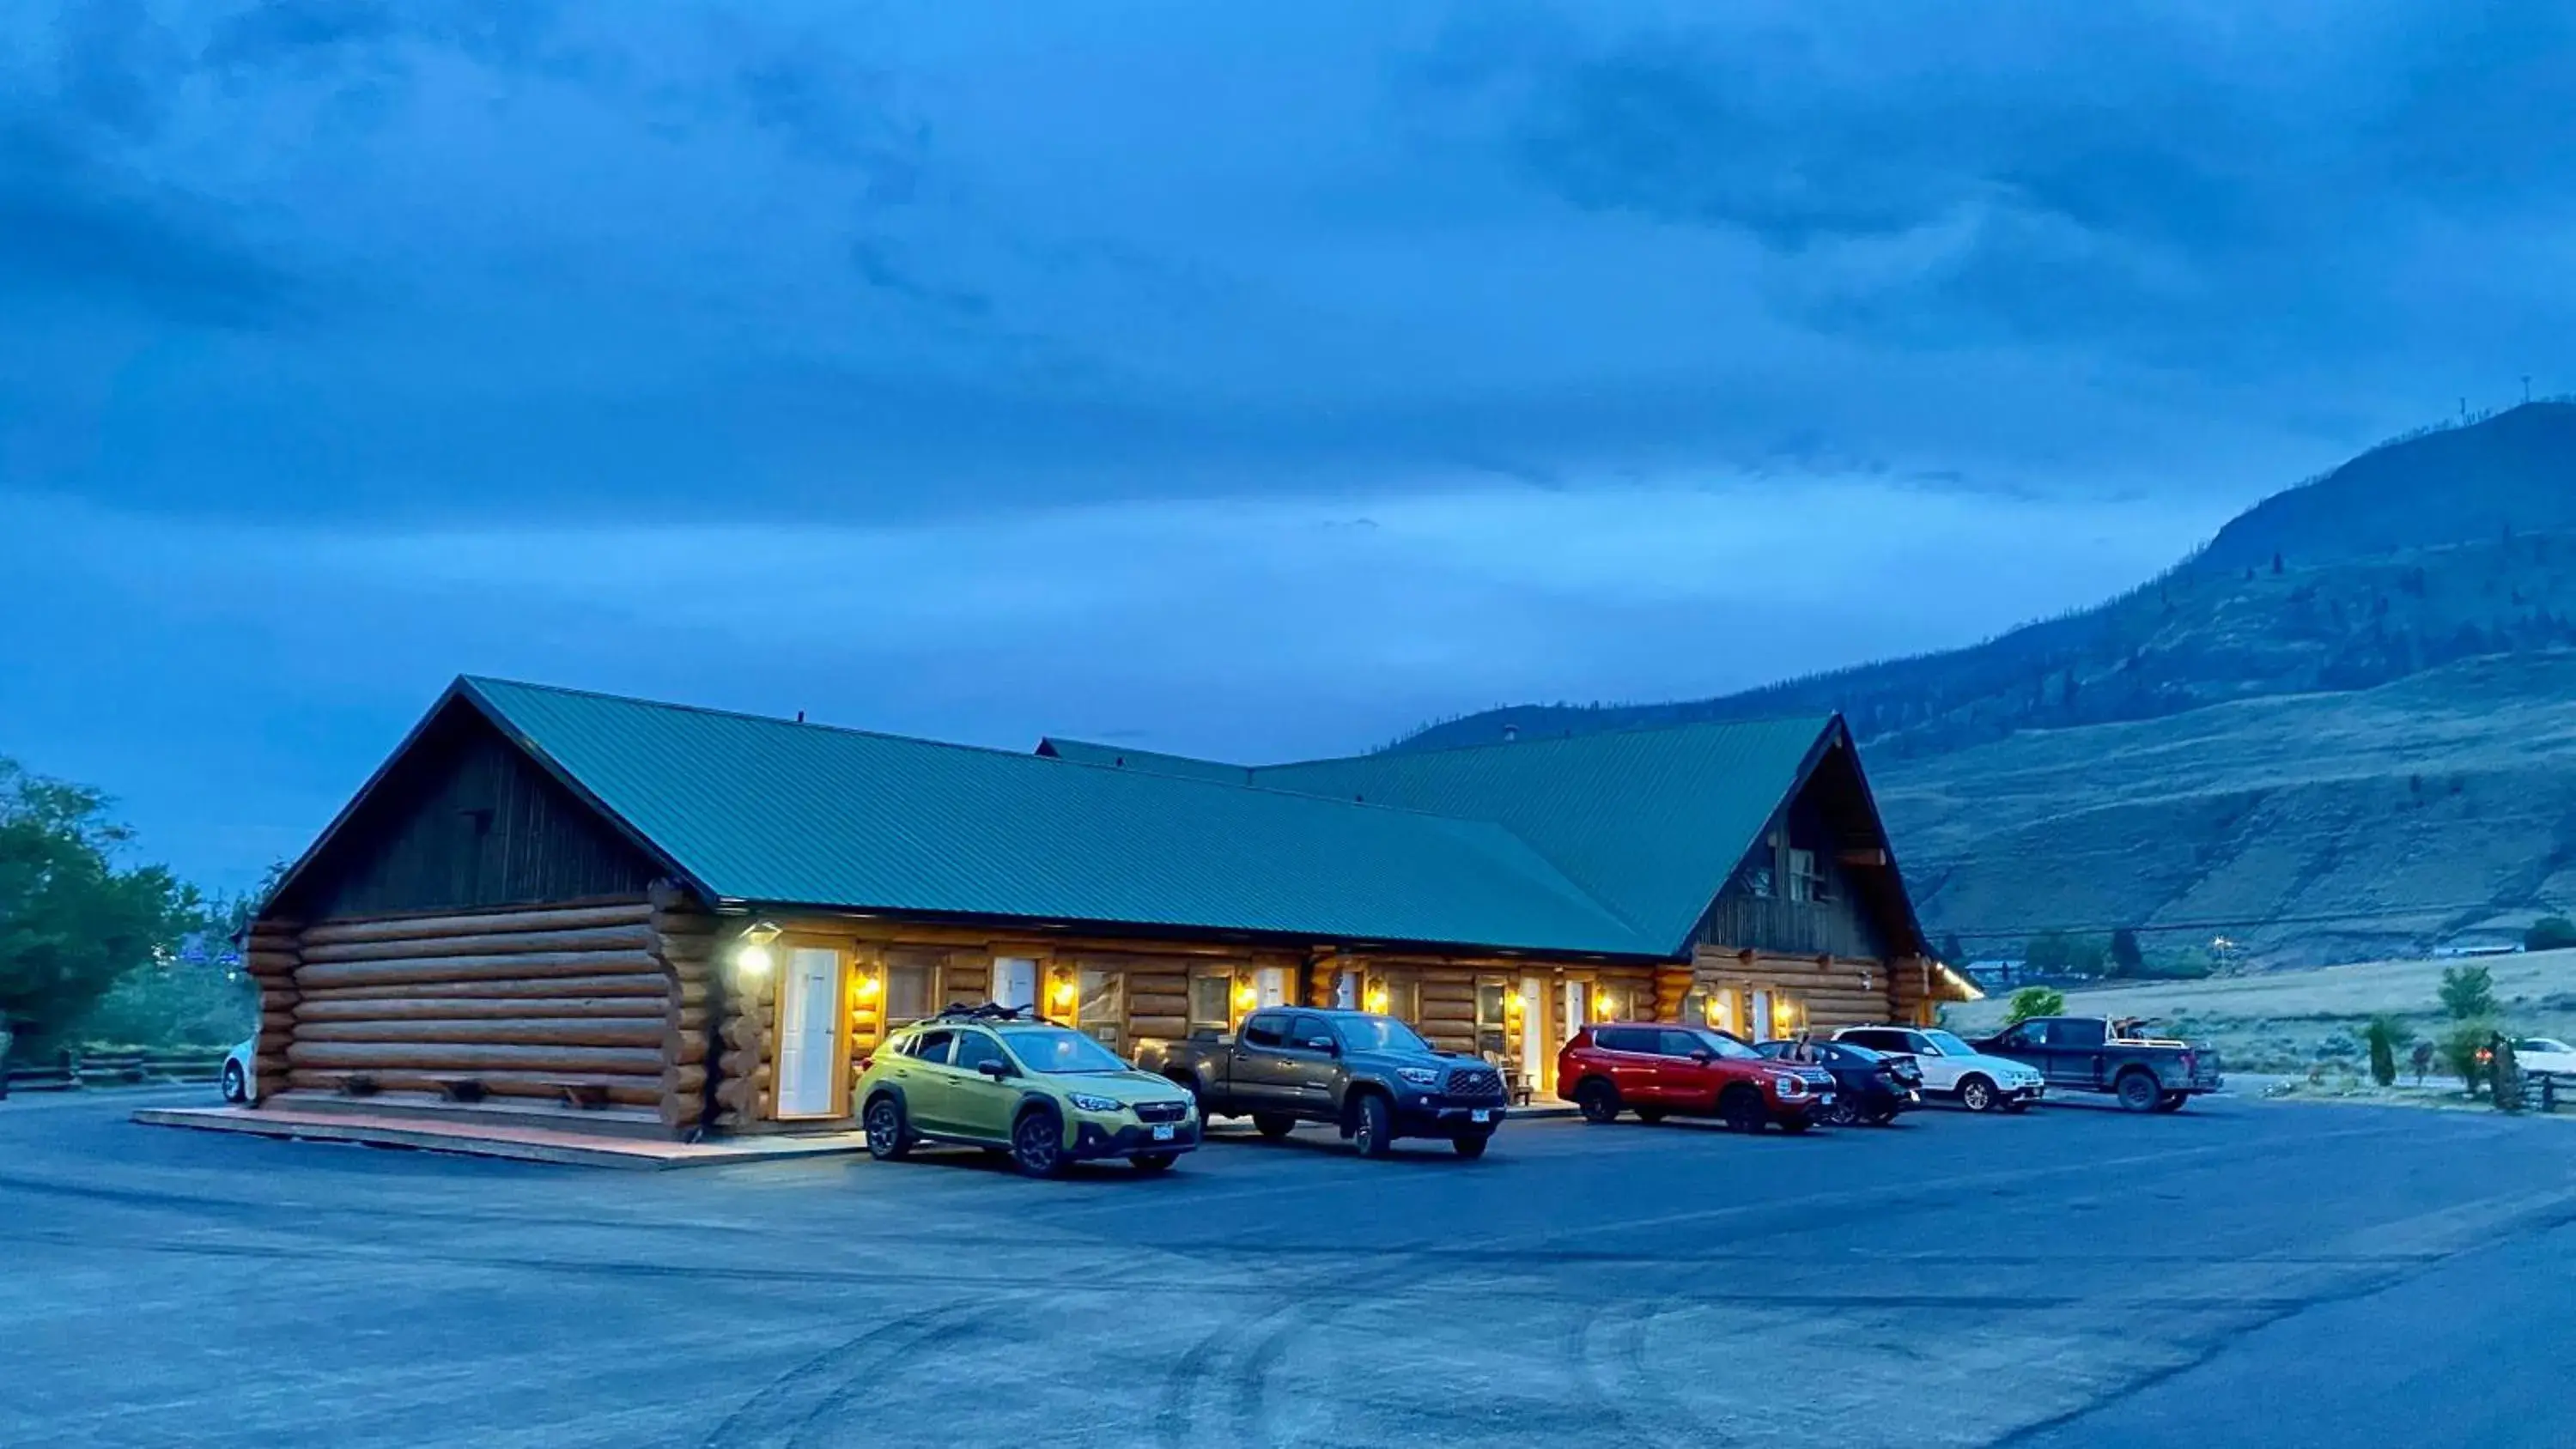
{"points": [[2138, 1090], [889, 1136], [1373, 1131], [1273, 1125], [1842, 1112], [2172, 1101], [1599, 1101], [1742, 1110], [1153, 1162], [236, 1086], [1977, 1094], [1650, 1115], [1037, 1144], [1471, 1146]]}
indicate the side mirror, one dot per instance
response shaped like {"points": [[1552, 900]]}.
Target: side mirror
{"points": [[996, 1070], [1703, 1056], [1322, 1044]]}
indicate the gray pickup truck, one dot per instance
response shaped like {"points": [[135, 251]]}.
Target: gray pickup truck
{"points": [[1371, 1077], [2107, 1054]]}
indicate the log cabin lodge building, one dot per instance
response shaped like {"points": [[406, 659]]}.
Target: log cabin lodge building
{"points": [[673, 920]]}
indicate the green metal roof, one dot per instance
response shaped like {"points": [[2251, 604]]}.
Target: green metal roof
{"points": [[1119, 757], [768, 811], [1649, 822]]}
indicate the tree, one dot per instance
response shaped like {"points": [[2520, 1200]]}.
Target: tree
{"points": [[2468, 992], [2550, 933], [2126, 958], [2062, 952], [71, 919], [2384, 1035], [2464, 1051], [2033, 1001], [1953, 950]]}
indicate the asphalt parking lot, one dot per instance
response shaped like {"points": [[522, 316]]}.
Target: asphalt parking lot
{"points": [[2241, 1274]]}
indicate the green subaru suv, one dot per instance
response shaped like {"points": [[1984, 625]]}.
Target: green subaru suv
{"points": [[990, 1077]]}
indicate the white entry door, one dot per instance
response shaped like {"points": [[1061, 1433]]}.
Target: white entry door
{"points": [[1535, 1057], [1015, 981], [1270, 987], [809, 1008]]}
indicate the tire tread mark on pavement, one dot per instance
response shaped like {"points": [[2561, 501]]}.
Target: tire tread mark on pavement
{"points": [[789, 1404]]}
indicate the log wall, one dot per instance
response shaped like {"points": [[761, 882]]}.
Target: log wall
{"points": [[1834, 991], [514, 1005]]}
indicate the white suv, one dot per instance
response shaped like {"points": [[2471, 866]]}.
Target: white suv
{"points": [[1952, 1068]]}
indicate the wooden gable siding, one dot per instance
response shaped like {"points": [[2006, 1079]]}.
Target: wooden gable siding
{"points": [[1841, 926], [1864, 908], [465, 820]]}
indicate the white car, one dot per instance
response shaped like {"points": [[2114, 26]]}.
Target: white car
{"points": [[1952, 1068], [2545, 1054], [241, 1084]]}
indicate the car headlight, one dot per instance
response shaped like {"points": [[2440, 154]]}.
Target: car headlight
{"points": [[1084, 1101], [1790, 1086], [1419, 1076]]}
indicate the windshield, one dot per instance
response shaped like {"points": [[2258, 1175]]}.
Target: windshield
{"points": [[1378, 1034], [2549, 1044], [1950, 1045], [1059, 1052], [1724, 1045]]}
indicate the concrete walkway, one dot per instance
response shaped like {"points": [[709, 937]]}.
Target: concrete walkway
{"points": [[492, 1139]]}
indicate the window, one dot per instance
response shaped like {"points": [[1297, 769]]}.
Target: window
{"points": [[1707, 1041], [1308, 1028], [1265, 1029], [907, 989], [974, 1049], [1625, 1039], [1060, 1053], [1490, 1033], [1404, 998], [930, 1046], [2073, 1033], [1211, 1002], [1807, 877], [1100, 1004], [1680, 1044]]}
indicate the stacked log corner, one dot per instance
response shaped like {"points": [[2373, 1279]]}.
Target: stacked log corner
{"points": [[523, 1002], [684, 943], [1672, 988], [271, 953], [745, 1013]]}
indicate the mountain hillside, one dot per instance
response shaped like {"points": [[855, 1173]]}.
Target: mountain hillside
{"points": [[2370, 594]]}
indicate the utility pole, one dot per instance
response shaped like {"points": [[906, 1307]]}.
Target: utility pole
{"points": [[2526, 387]]}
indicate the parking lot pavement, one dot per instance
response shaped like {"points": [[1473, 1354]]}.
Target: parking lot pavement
{"points": [[1952, 1280]]}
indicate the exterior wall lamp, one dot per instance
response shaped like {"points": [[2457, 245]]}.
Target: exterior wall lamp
{"points": [[752, 959]]}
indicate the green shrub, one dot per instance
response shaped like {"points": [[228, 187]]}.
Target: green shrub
{"points": [[2384, 1035], [2033, 1001], [2460, 1050], [2550, 933]]}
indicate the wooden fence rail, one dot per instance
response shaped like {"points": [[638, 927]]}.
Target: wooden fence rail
{"points": [[72, 1070]]}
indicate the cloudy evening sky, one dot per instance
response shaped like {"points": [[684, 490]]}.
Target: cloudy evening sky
{"points": [[1250, 379]]}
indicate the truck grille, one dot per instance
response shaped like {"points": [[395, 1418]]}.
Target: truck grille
{"points": [[1475, 1082], [1161, 1111]]}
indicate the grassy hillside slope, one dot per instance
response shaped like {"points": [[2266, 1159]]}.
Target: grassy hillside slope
{"points": [[2354, 704], [2314, 827]]}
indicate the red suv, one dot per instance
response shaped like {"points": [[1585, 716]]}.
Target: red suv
{"points": [[1654, 1068]]}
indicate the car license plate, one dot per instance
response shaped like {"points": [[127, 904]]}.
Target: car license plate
{"points": [[1162, 1131], [1481, 1114]]}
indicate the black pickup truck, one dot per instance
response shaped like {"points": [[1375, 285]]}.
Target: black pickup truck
{"points": [[2108, 1054], [1369, 1076]]}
